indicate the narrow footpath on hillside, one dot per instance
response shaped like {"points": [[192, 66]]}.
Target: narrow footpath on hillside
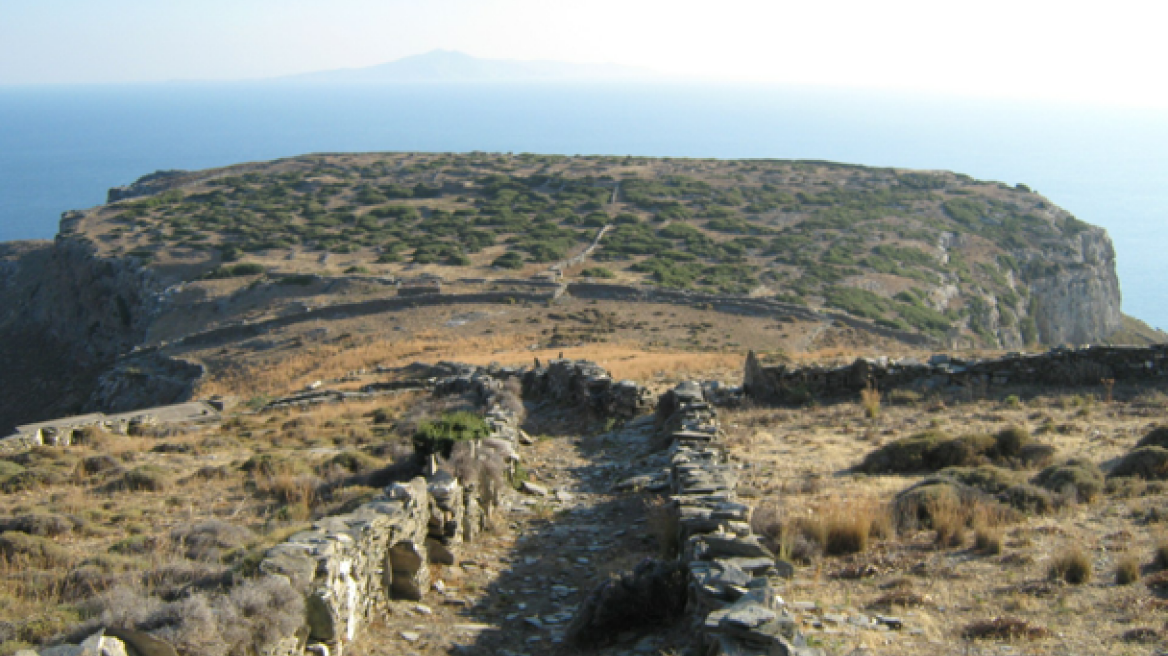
{"points": [[515, 590]]}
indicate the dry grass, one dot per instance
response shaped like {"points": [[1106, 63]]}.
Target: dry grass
{"points": [[1004, 628], [266, 377], [837, 527], [799, 460], [1160, 554], [1071, 565], [988, 539], [870, 401], [1127, 570], [949, 519]]}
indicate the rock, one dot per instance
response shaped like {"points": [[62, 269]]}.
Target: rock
{"points": [[748, 617], [142, 643], [411, 636], [533, 488], [653, 593], [891, 622], [97, 644]]}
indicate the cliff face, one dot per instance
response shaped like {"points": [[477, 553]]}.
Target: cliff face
{"points": [[1078, 302], [68, 315]]}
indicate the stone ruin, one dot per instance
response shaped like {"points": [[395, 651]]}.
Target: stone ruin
{"points": [[67, 430], [348, 567], [724, 577], [1059, 367]]}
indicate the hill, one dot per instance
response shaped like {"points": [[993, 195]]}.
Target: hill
{"points": [[248, 278], [962, 260], [456, 67]]}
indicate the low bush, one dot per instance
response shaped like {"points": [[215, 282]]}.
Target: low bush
{"points": [[1080, 479], [39, 524], [250, 619], [933, 450], [100, 464], [352, 461], [1030, 499], [1072, 566], [234, 271], [597, 272], [149, 478], [1127, 570], [906, 455], [1160, 555], [32, 551], [1156, 437], [1146, 462], [31, 479], [439, 436], [1004, 628], [210, 540], [988, 539], [987, 478]]}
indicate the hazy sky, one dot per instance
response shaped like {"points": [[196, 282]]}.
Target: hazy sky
{"points": [[1108, 52]]}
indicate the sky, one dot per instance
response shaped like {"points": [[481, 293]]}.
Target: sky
{"points": [[1100, 53]]}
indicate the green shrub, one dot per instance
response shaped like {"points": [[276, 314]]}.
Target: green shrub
{"points": [[30, 479], [597, 272], [906, 455], [1147, 462], [1009, 441], [235, 271], [987, 478], [353, 461], [1156, 437], [301, 279], [931, 451], [32, 550], [439, 436], [1080, 477], [150, 478], [509, 261], [1030, 499]]}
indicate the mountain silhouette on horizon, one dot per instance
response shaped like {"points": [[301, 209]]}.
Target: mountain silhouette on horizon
{"points": [[453, 66]]}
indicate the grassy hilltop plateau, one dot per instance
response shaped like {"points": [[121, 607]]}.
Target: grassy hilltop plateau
{"points": [[267, 450]]}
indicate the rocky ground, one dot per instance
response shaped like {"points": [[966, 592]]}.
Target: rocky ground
{"points": [[797, 464]]}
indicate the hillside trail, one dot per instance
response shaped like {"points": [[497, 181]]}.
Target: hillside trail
{"points": [[515, 590]]}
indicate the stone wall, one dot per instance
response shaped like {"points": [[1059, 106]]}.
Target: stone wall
{"points": [[1060, 367], [732, 576], [349, 566], [585, 384]]}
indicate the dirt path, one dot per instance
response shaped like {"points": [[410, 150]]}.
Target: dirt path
{"points": [[515, 590]]}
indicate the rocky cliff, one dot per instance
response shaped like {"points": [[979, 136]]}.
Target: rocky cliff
{"points": [[68, 315], [1077, 301]]}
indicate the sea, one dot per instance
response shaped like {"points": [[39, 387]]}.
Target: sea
{"points": [[62, 147]]}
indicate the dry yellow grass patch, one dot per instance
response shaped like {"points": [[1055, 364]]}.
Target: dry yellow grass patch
{"points": [[325, 361]]}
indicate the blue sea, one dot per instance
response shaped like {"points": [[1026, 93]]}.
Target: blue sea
{"points": [[62, 147]]}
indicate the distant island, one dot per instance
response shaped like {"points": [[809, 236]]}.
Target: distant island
{"points": [[451, 66]]}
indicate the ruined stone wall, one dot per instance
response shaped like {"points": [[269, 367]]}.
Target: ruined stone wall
{"points": [[585, 384], [349, 566], [1088, 366], [732, 575]]}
